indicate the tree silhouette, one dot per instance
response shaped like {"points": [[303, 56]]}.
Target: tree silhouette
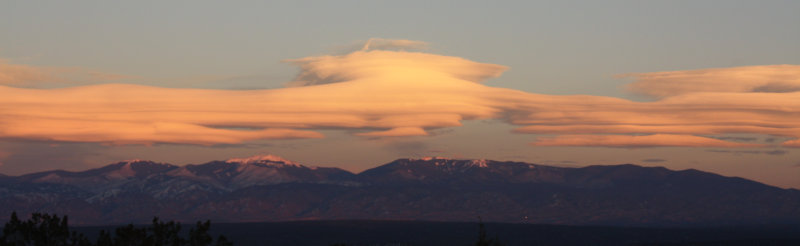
{"points": [[41, 229], [199, 234], [166, 233], [483, 239], [104, 239], [52, 230]]}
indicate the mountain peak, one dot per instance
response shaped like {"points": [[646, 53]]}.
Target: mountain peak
{"points": [[139, 163], [447, 162], [135, 167], [264, 159], [430, 158], [479, 163]]}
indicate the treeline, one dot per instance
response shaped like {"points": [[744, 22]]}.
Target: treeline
{"points": [[52, 230]]}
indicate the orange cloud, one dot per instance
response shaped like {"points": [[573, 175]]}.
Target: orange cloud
{"points": [[395, 94], [656, 140], [792, 143], [399, 93], [22, 75], [14, 74], [774, 78], [396, 132], [408, 69]]}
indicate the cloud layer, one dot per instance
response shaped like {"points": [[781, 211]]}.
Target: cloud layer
{"points": [[774, 78], [382, 93]]}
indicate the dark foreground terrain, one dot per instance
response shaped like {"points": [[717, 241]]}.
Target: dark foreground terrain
{"points": [[463, 233]]}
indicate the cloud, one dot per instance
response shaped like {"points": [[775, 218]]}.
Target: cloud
{"points": [[393, 68], [389, 44], [775, 152], [398, 94], [627, 141], [766, 152], [737, 139], [396, 132], [15, 74], [23, 75], [381, 44], [774, 78], [706, 114], [792, 143], [654, 160]]}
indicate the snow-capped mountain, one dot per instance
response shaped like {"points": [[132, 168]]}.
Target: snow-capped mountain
{"points": [[101, 178], [239, 173], [228, 175], [270, 188], [444, 170]]}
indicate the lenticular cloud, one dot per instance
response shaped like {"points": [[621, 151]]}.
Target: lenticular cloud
{"points": [[397, 93]]}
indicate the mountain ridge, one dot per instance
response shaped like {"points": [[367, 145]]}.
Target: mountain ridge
{"points": [[270, 188], [273, 159]]}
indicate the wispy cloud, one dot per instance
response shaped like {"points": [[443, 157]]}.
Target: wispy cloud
{"points": [[387, 44], [15, 74], [383, 44], [27, 76]]}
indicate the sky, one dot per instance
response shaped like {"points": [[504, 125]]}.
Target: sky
{"points": [[709, 85]]}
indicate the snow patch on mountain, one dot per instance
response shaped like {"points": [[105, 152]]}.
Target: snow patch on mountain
{"points": [[269, 160], [52, 177], [182, 172], [478, 163]]}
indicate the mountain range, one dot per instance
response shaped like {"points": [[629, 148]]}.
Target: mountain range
{"points": [[270, 188]]}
